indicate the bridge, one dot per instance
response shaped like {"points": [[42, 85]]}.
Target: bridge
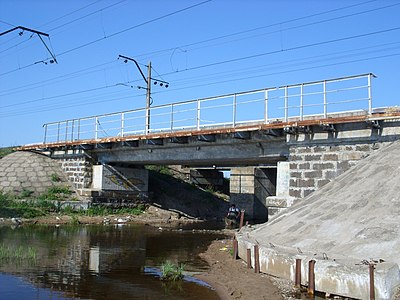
{"points": [[279, 143]]}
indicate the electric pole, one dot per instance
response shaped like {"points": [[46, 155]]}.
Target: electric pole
{"points": [[38, 33], [147, 88], [148, 97]]}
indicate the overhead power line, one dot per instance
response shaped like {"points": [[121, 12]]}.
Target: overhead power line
{"points": [[285, 50], [114, 34], [32, 110], [263, 27], [133, 27]]}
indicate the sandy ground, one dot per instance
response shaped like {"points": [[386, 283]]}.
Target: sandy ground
{"points": [[232, 280]]}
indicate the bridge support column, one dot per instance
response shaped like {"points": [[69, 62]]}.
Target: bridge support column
{"points": [[120, 186], [249, 189]]}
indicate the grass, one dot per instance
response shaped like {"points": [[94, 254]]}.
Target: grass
{"points": [[5, 151], [171, 272], [11, 206], [18, 253], [55, 178], [56, 193]]}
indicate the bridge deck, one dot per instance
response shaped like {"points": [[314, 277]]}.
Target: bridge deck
{"points": [[221, 130]]}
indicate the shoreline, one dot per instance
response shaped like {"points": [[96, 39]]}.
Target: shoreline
{"points": [[228, 277], [232, 280]]}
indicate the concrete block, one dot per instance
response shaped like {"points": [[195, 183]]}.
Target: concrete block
{"points": [[323, 166], [347, 278], [314, 157], [312, 174], [307, 192], [330, 157]]}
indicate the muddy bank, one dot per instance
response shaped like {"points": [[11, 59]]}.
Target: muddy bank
{"points": [[232, 280], [153, 215]]}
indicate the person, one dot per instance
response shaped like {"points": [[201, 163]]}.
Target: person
{"points": [[233, 212]]}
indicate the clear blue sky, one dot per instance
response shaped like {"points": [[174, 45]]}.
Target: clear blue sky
{"points": [[189, 43]]}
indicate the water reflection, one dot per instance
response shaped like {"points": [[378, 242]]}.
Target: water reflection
{"points": [[101, 262]]}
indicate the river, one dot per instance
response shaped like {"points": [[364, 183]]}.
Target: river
{"points": [[102, 262]]}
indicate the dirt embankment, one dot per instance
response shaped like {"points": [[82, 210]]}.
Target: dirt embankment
{"points": [[232, 280]]}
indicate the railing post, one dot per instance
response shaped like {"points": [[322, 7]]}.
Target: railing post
{"points": [[122, 124], [45, 133], [301, 103], [286, 104], [96, 128], [369, 94], [325, 101], [266, 106], [66, 131], [58, 132], [79, 129], [172, 117], [198, 114], [72, 130], [234, 111]]}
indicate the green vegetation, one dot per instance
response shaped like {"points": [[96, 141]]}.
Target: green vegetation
{"points": [[5, 151], [171, 272], [13, 206], [55, 178], [56, 193], [164, 170], [18, 253]]}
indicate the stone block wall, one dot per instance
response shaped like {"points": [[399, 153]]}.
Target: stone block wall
{"points": [[78, 170], [311, 167]]}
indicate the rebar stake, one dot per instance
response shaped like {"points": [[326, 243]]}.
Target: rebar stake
{"points": [[371, 282], [311, 277], [235, 249], [297, 280], [248, 251], [241, 219], [256, 260]]}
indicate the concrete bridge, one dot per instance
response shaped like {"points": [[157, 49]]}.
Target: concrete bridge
{"points": [[280, 144]]}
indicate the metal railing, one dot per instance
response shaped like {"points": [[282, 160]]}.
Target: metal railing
{"points": [[285, 103]]}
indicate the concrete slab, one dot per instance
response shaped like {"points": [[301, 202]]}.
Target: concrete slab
{"points": [[353, 219]]}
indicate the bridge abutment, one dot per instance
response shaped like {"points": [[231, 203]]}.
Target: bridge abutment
{"points": [[249, 189]]}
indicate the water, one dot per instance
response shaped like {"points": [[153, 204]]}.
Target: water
{"points": [[102, 262]]}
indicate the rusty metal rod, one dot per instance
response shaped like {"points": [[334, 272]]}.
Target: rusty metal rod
{"points": [[256, 260], [241, 219], [311, 277], [248, 251], [371, 282], [235, 249], [297, 280]]}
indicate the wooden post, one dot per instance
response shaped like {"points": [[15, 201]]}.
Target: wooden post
{"points": [[248, 258]]}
